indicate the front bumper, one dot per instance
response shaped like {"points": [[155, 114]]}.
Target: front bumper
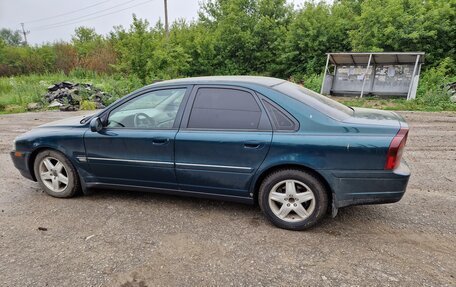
{"points": [[20, 161], [370, 187]]}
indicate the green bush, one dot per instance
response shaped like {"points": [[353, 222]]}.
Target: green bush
{"points": [[310, 81], [80, 73], [87, 105], [313, 82], [432, 92], [11, 109]]}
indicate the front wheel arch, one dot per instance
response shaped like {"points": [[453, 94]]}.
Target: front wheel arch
{"points": [[31, 160], [35, 152], [73, 183]]}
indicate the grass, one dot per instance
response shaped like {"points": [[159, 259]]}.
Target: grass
{"points": [[17, 92]]}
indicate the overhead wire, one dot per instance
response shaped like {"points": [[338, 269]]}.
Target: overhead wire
{"points": [[83, 18], [66, 13]]}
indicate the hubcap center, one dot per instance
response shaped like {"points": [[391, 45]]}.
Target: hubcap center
{"points": [[291, 200]]}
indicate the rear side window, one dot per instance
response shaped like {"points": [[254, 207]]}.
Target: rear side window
{"points": [[220, 108], [319, 102], [280, 120]]}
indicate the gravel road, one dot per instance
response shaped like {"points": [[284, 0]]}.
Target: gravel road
{"points": [[119, 238]]}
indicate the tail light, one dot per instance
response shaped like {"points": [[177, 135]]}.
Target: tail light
{"points": [[393, 158]]}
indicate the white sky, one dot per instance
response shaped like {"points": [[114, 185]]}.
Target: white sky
{"points": [[13, 12]]}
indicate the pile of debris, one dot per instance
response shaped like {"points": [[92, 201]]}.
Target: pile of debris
{"points": [[69, 97], [451, 90]]}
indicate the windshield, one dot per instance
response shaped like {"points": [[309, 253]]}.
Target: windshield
{"points": [[315, 100]]}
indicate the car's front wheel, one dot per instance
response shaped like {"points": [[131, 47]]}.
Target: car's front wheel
{"points": [[56, 174], [293, 199]]}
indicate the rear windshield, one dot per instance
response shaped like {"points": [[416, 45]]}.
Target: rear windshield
{"points": [[319, 102]]}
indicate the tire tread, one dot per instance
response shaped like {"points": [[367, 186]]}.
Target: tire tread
{"points": [[319, 191], [76, 185]]}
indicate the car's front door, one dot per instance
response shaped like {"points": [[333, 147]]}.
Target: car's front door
{"points": [[224, 137], [137, 145]]}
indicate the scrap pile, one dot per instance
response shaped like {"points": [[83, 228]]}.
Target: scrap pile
{"points": [[451, 90], [69, 97]]}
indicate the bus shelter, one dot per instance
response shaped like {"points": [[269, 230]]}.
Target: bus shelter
{"points": [[382, 73]]}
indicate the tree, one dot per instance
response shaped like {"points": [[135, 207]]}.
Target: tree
{"points": [[247, 34], [407, 25], [86, 40], [198, 44], [168, 61], [94, 52], [316, 29], [134, 48], [270, 32], [261, 37], [12, 38], [66, 57], [231, 23]]}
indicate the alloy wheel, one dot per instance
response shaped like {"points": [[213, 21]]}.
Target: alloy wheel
{"points": [[291, 200], [53, 174]]}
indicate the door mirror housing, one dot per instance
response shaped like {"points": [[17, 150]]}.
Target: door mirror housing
{"points": [[96, 125]]}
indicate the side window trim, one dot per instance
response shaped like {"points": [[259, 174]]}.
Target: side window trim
{"points": [[264, 120], [296, 124], [105, 115]]}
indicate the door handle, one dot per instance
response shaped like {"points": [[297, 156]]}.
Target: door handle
{"points": [[253, 145], [160, 141]]}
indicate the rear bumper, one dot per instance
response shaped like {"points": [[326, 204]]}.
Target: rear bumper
{"points": [[20, 161], [370, 187]]}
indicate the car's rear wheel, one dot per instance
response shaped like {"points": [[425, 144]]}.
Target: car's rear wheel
{"points": [[56, 174], [293, 199]]}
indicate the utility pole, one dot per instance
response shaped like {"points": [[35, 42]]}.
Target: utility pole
{"points": [[166, 19], [25, 34]]}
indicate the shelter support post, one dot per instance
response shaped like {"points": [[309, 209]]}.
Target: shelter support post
{"points": [[372, 83], [324, 75], [364, 76], [413, 83]]}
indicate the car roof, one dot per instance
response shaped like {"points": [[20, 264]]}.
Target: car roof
{"points": [[264, 81]]}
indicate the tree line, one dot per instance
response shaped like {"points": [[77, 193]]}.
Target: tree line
{"points": [[256, 37]]}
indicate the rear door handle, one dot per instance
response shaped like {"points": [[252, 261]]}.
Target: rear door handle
{"points": [[160, 141], [253, 145]]}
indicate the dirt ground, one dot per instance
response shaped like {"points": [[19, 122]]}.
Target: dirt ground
{"points": [[120, 238]]}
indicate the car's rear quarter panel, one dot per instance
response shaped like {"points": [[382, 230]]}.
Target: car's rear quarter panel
{"points": [[349, 155]]}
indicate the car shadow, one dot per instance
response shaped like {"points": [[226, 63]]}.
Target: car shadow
{"points": [[163, 198], [353, 217]]}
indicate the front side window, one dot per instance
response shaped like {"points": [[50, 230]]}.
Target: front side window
{"points": [[220, 108], [152, 110]]}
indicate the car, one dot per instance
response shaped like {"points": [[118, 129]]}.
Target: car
{"points": [[259, 140]]}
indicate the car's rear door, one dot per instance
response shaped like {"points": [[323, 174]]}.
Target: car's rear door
{"points": [[224, 137], [137, 145]]}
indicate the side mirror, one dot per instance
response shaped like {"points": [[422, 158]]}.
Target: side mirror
{"points": [[96, 125]]}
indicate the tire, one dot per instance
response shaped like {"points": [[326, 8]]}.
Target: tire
{"points": [[293, 211], [52, 166]]}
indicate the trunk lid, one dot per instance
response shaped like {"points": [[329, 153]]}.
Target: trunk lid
{"points": [[376, 117]]}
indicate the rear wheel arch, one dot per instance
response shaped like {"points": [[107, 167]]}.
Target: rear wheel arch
{"points": [[304, 168]]}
